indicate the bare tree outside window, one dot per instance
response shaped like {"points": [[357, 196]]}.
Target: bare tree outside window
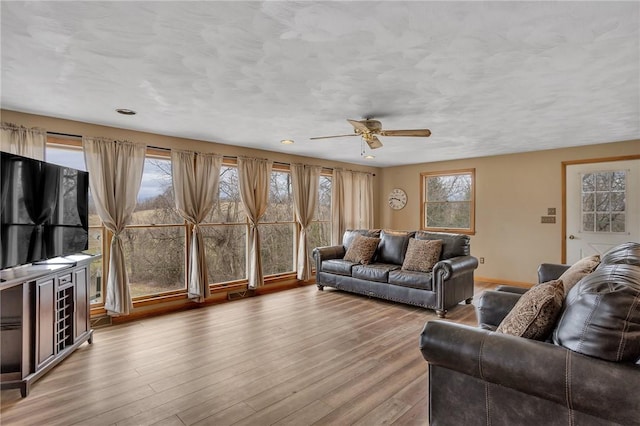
{"points": [[448, 201], [277, 226]]}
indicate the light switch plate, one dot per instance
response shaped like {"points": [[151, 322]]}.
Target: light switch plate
{"points": [[548, 219], [551, 211]]}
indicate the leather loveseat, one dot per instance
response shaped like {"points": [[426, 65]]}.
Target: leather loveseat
{"points": [[450, 281], [587, 372]]}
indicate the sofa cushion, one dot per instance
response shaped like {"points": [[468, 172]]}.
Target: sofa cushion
{"points": [[602, 315], [378, 272], [337, 266], [422, 255], [411, 279], [393, 245], [535, 313], [350, 234], [578, 270], [362, 249], [453, 245]]}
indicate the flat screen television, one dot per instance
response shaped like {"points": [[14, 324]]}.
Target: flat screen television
{"points": [[44, 210]]}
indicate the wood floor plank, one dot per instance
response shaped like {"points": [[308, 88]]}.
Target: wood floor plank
{"points": [[297, 357]]}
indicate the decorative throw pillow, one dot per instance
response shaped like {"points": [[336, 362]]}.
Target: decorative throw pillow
{"points": [[579, 270], [422, 255], [534, 315], [362, 249]]}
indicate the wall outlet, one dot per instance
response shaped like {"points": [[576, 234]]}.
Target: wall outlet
{"points": [[481, 260], [551, 211]]}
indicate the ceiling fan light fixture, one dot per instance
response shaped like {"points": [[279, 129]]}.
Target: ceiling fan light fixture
{"points": [[287, 142], [369, 157]]}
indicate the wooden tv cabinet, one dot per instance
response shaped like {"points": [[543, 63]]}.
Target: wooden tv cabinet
{"points": [[44, 317]]}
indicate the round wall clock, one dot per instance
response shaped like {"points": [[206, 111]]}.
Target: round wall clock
{"points": [[397, 199]]}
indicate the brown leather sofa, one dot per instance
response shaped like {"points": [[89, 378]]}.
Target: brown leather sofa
{"points": [[586, 373], [450, 282]]}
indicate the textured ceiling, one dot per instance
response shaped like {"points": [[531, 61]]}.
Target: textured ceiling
{"points": [[486, 77]]}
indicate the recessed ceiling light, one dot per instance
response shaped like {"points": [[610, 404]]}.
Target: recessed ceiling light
{"points": [[286, 142], [125, 111], [369, 157]]}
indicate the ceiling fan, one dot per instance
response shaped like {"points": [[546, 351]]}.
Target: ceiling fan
{"points": [[369, 129]]}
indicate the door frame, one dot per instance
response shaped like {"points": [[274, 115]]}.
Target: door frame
{"points": [[564, 190]]}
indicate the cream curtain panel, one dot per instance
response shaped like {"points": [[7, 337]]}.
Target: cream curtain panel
{"points": [[351, 202], [115, 173], [195, 184], [23, 141], [253, 178], [304, 180]]}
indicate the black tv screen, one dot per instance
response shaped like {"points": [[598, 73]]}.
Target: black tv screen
{"points": [[44, 210]]}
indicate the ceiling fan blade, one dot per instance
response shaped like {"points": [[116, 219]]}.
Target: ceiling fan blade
{"points": [[415, 132], [358, 125], [335, 136], [373, 142]]}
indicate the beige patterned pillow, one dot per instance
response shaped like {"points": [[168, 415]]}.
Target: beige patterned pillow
{"points": [[579, 270], [422, 255], [536, 312], [362, 249]]}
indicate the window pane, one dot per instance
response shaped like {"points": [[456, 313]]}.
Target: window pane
{"points": [[588, 182], [323, 206], [280, 207], [96, 281], [618, 202], [277, 243], [449, 188], [588, 222], [603, 222], [588, 202], [619, 181], [618, 222], [156, 203], [228, 207], [155, 259], [448, 215], [226, 247], [602, 201], [318, 235], [603, 181]]}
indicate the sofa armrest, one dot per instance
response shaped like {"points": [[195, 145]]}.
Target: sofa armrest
{"points": [[550, 271], [493, 306], [602, 388], [329, 252], [450, 268]]}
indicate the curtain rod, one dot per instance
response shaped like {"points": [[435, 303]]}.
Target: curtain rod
{"points": [[228, 157]]}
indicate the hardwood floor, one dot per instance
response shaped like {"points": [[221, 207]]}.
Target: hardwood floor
{"points": [[297, 357]]}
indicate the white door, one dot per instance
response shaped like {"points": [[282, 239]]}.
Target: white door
{"points": [[603, 207]]}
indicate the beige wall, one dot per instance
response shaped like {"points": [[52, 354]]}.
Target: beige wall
{"points": [[512, 192]]}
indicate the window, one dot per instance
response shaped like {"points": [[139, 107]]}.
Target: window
{"points": [[225, 232], [448, 201], [319, 233], [154, 241], [278, 227], [69, 153], [604, 201]]}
